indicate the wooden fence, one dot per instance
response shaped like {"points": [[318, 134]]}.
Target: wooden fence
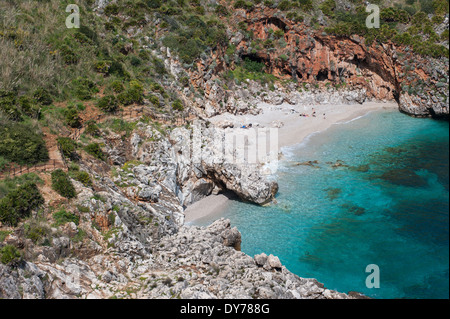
{"points": [[51, 165], [172, 119]]}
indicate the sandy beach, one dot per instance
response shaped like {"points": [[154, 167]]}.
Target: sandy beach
{"points": [[293, 129]]}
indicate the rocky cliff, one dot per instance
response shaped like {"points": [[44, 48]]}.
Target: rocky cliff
{"points": [[317, 68], [131, 241]]}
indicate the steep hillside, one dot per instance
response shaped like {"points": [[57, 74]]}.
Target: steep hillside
{"points": [[95, 123]]}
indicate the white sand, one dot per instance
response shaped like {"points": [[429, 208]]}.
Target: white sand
{"points": [[295, 128], [206, 207], [293, 131]]}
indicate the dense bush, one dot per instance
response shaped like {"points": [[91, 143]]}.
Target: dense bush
{"points": [[328, 7], [95, 150], [42, 96], [62, 184], [117, 86], [134, 94], [84, 178], [62, 217], [20, 143], [92, 129], [72, 118], [9, 254], [68, 147], [177, 105], [83, 88], [108, 103], [19, 203], [253, 66], [8, 105]]}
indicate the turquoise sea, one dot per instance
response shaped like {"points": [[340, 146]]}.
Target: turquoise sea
{"points": [[376, 192]]}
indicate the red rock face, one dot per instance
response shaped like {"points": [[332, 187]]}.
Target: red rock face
{"points": [[385, 71], [316, 58], [312, 56]]}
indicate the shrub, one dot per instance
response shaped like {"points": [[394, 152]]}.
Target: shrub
{"points": [[102, 67], [177, 105], [42, 96], [84, 178], [19, 203], [68, 147], [284, 5], [221, 10], [62, 184], [62, 217], [92, 129], [328, 7], [306, 5], [9, 254], [134, 94], [153, 4], [3, 163], [117, 86], [242, 4], [154, 100], [8, 105], [20, 143], [84, 88], [68, 55], [95, 150], [36, 231], [108, 103], [72, 118], [135, 61], [253, 66]]}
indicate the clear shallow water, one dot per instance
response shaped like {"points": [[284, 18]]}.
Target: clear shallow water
{"points": [[386, 203]]}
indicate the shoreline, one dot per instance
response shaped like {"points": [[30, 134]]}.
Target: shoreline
{"points": [[294, 130]]}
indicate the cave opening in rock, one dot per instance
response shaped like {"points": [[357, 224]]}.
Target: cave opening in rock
{"points": [[277, 22], [322, 75], [254, 62], [396, 96]]}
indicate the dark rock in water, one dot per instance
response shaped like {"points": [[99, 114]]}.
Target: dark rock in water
{"points": [[396, 150], [404, 177], [354, 209], [338, 163], [333, 193], [361, 168], [308, 163]]}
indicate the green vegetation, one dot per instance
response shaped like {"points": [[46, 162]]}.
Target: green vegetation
{"points": [[10, 184], [62, 217], [68, 147], [19, 203], [37, 231], [108, 103], [419, 36], [9, 254], [72, 117], [133, 94], [95, 150], [80, 176], [22, 143], [252, 70], [62, 185], [178, 105]]}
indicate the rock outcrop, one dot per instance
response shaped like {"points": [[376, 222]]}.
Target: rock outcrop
{"points": [[321, 67], [193, 263]]}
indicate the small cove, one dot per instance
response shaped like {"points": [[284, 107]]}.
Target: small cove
{"points": [[375, 191]]}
